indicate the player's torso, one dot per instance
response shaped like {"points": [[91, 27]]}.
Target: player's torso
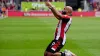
{"points": [[62, 28]]}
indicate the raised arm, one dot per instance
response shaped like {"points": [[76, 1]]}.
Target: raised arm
{"points": [[56, 13]]}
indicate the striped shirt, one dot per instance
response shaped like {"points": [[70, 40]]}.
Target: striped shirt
{"points": [[62, 28]]}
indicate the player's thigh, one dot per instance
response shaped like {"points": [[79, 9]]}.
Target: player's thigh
{"points": [[55, 46]]}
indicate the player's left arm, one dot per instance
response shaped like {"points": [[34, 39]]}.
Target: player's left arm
{"points": [[56, 13]]}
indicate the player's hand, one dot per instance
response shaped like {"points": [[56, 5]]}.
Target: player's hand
{"points": [[48, 4]]}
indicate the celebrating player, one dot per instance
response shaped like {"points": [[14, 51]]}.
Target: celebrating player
{"points": [[60, 33]]}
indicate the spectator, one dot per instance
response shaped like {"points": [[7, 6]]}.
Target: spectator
{"points": [[19, 7], [98, 6], [0, 11], [95, 6], [11, 7], [3, 11]]}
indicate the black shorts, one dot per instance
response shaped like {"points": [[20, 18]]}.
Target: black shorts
{"points": [[55, 46]]}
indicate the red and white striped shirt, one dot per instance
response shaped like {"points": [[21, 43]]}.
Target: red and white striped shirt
{"points": [[62, 27]]}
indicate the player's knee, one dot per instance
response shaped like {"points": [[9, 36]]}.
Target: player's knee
{"points": [[45, 53], [48, 54]]}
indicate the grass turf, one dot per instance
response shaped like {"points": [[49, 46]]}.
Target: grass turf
{"points": [[29, 36]]}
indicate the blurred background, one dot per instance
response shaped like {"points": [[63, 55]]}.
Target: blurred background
{"points": [[78, 5]]}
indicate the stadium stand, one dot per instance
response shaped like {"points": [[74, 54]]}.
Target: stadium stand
{"points": [[29, 6]]}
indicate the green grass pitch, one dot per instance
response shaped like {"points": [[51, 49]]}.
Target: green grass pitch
{"points": [[29, 36]]}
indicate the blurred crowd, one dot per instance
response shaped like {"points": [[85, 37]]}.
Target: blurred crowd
{"points": [[94, 5], [89, 5], [44, 0], [9, 5]]}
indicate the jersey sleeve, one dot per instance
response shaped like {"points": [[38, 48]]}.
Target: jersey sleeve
{"points": [[66, 17]]}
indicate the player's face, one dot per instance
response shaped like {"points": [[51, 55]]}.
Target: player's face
{"points": [[67, 10]]}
